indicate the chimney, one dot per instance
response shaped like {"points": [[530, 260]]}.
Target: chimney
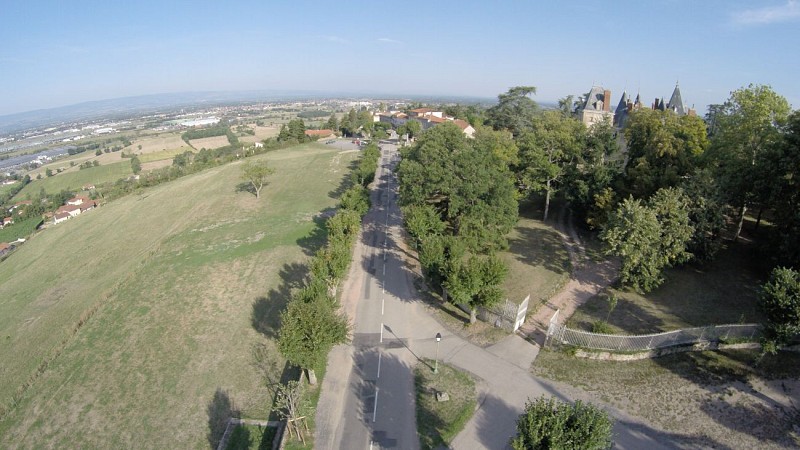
{"points": [[606, 100]]}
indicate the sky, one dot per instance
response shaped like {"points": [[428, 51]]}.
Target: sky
{"points": [[55, 53]]}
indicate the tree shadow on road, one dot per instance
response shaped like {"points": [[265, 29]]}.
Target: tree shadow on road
{"points": [[219, 410]]}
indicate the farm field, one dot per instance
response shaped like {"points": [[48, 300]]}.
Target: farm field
{"points": [[75, 180], [158, 143], [165, 284], [261, 133], [210, 142]]}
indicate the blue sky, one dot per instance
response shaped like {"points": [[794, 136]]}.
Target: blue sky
{"points": [[58, 53]]}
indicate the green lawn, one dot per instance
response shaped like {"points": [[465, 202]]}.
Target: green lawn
{"points": [[722, 292], [75, 180], [7, 188], [438, 422], [20, 229], [164, 283]]}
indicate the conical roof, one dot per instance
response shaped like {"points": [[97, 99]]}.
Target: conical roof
{"points": [[676, 102], [623, 102]]}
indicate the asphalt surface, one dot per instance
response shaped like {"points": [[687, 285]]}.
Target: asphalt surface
{"points": [[367, 398]]}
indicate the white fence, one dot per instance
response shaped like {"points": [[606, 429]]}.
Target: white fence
{"points": [[507, 315], [560, 334]]}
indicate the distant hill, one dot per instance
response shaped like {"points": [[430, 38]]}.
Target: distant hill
{"points": [[128, 106]]}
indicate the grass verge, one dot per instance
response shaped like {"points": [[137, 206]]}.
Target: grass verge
{"points": [[438, 422]]}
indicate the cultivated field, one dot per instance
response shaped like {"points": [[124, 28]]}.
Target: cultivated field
{"points": [[261, 134], [210, 142], [165, 284], [75, 180], [157, 143]]}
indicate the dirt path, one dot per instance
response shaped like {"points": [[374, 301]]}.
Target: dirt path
{"points": [[588, 278]]}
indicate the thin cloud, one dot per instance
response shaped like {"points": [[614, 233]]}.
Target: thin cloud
{"points": [[337, 39], [389, 41], [768, 15]]}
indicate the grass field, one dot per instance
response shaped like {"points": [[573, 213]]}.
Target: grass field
{"points": [[210, 142], [75, 180], [261, 133], [161, 155], [158, 143], [164, 283], [439, 422], [6, 188], [538, 263], [724, 291]]}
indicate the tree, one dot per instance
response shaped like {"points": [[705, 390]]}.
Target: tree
{"points": [[514, 110], [550, 424], [780, 301], [552, 142], [745, 126], [706, 214], [649, 238], [663, 148], [475, 281], [136, 165], [48, 172], [565, 105], [591, 174], [309, 329], [332, 124], [471, 189], [256, 174], [289, 406]]}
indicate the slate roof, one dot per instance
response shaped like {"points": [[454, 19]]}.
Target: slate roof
{"points": [[595, 95], [676, 102]]}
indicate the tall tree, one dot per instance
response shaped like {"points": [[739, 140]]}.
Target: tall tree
{"points": [[781, 173], [662, 149], [649, 238], [475, 281], [780, 301], [256, 173], [594, 170], [332, 124], [309, 329], [745, 126], [546, 149], [514, 110]]}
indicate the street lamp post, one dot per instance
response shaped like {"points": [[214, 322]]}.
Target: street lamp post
{"points": [[436, 361]]}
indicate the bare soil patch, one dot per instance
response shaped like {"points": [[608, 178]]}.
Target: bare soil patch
{"points": [[715, 399]]}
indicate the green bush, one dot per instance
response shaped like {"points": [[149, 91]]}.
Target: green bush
{"points": [[550, 424]]}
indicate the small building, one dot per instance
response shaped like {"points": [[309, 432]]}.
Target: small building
{"points": [[465, 127], [78, 200], [61, 216]]}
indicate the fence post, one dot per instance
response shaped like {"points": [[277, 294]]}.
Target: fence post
{"points": [[650, 344]]}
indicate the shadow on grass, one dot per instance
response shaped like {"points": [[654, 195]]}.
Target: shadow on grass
{"points": [[265, 316], [247, 187], [628, 316], [346, 181], [219, 410], [318, 236], [538, 246], [730, 371]]}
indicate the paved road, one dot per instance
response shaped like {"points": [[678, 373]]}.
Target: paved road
{"points": [[367, 396]]}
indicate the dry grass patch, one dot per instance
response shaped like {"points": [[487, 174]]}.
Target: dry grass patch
{"points": [[724, 399], [210, 142]]}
